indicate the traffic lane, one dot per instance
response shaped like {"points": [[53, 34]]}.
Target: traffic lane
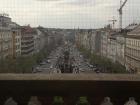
{"points": [[45, 68], [52, 66]]}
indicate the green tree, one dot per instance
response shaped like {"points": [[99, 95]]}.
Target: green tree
{"points": [[58, 100], [82, 101], [106, 64]]}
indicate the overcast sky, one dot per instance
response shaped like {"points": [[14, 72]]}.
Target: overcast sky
{"points": [[69, 13]]}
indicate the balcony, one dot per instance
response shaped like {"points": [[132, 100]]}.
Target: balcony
{"points": [[27, 52], [70, 86], [1, 40], [7, 40], [5, 48], [5, 28], [26, 41], [27, 45], [132, 56]]}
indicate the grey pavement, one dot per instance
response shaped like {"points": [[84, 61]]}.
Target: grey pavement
{"points": [[79, 61]]}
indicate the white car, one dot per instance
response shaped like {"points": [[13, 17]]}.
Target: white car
{"points": [[81, 70], [43, 63], [39, 70], [51, 66], [91, 66], [34, 71], [81, 56], [48, 61]]}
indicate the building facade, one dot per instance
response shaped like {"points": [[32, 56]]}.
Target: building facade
{"points": [[132, 50], [5, 21], [16, 40], [5, 37], [27, 40], [5, 42], [104, 42], [120, 50], [92, 44], [111, 50], [98, 42]]}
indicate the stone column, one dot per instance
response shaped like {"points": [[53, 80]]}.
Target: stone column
{"points": [[45, 100], [10, 101], [22, 100], [34, 101], [131, 101], [3, 99], [107, 101]]}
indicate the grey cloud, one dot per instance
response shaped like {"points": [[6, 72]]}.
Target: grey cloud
{"points": [[76, 2], [70, 13], [85, 3], [49, 0]]}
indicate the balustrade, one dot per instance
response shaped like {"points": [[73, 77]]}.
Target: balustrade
{"points": [[65, 100]]}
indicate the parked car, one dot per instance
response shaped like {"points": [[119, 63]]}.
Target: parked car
{"points": [[97, 70], [39, 70], [43, 63], [48, 61], [34, 71], [91, 66], [51, 66]]}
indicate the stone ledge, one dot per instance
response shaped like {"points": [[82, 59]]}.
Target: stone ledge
{"points": [[73, 77]]}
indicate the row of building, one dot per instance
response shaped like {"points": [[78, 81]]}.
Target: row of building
{"points": [[121, 47], [16, 40]]}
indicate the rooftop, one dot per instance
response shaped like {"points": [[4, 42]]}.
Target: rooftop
{"points": [[136, 31]]}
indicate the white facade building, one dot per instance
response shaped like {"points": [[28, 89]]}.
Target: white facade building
{"points": [[27, 41], [132, 51], [5, 37], [111, 52], [104, 42], [40, 40], [93, 41], [120, 57]]}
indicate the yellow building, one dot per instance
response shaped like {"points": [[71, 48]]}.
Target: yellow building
{"points": [[16, 40]]}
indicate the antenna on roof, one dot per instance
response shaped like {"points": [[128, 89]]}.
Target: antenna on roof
{"points": [[113, 22]]}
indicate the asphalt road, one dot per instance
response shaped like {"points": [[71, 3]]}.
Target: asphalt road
{"points": [[50, 67]]}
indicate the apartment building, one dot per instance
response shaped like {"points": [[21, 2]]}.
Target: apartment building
{"points": [[27, 40], [98, 42], [132, 50], [4, 21], [89, 39], [79, 37], [5, 42], [16, 40], [5, 37], [120, 48], [104, 42], [92, 44], [111, 48]]}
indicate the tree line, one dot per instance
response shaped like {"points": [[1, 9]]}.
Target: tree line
{"points": [[104, 63], [22, 64]]}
